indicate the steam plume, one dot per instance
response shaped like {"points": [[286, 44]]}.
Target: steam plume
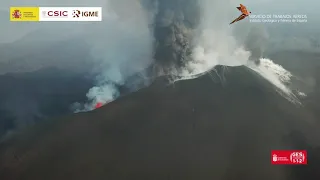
{"points": [[191, 38], [216, 43], [120, 47]]}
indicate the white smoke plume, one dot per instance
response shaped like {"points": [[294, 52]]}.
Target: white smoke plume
{"points": [[119, 46], [122, 45], [216, 44], [276, 75]]}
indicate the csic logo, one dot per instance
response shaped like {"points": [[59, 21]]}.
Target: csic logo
{"points": [[55, 13], [78, 13], [16, 14]]}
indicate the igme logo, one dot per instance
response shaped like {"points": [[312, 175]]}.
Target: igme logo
{"points": [[78, 13]]}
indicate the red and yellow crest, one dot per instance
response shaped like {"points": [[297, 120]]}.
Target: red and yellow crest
{"points": [[16, 14]]}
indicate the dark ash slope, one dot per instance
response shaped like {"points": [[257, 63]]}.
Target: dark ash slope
{"points": [[31, 97], [194, 129]]}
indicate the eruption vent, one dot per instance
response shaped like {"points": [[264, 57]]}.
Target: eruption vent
{"points": [[98, 105]]}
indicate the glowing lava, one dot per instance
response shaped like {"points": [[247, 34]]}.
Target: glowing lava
{"points": [[98, 105]]}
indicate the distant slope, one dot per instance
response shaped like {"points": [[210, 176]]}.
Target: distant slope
{"points": [[194, 129], [27, 98]]}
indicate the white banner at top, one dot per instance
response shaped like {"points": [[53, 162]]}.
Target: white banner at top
{"points": [[70, 14]]}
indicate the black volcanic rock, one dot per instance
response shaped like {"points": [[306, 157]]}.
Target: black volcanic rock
{"points": [[195, 129]]}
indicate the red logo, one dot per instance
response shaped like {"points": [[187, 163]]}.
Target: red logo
{"points": [[16, 14], [289, 157]]}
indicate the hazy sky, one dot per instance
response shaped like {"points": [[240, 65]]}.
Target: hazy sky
{"points": [[11, 31]]}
